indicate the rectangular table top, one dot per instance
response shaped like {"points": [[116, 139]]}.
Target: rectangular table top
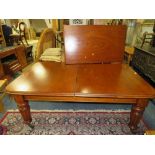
{"points": [[86, 80]]}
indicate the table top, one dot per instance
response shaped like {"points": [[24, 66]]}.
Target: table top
{"points": [[90, 80], [111, 80]]}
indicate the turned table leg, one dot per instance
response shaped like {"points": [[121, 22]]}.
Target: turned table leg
{"points": [[136, 114], [24, 108]]}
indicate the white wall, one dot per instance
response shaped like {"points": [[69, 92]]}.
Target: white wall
{"points": [[26, 21], [38, 24]]}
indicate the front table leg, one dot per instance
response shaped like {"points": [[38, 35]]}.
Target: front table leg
{"points": [[137, 113], [24, 109]]}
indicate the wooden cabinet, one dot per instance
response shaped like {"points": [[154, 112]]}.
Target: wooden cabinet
{"points": [[144, 61], [13, 59]]}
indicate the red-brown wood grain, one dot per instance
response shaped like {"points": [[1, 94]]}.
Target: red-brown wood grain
{"points": [[87, 80], [94, 44], [111, 80], [46, 79]]}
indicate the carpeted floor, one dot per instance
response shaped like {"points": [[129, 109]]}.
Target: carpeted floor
{"points": [[70, 123]]}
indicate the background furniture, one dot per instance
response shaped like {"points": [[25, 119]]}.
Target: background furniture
{"points": [[13, 59], [144, 61], [22, 33], [5, 32], [33, 43], [128, 53], [46, 40], [28, 48], [2, 39], [59, 39], [32, 34], [15, 39], [147, 38], [1, 70]]}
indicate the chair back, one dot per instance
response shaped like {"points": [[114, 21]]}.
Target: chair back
{"points": [[46, 40], [22, 33]]}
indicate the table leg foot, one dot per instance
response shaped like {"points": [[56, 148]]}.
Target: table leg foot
{"points": [[136, 114], [24, 109]]}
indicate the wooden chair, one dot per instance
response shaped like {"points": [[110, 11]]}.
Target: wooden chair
{"points": [[20, 36], [46, 40], [147, 38], [2, 84], [22, 27]]}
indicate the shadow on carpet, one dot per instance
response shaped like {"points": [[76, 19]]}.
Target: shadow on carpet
{"points": [[70, 123]]}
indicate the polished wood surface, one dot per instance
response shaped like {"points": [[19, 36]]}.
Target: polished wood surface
{"points": [[97, 83], [94, 44], [46, 79], [80, 99], [88, 80], [111, 80]]}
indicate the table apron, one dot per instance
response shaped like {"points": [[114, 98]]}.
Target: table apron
{"points": [[80, 99]]}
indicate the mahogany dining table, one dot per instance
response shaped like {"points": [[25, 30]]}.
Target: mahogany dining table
{"points": [[88, 74]]}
